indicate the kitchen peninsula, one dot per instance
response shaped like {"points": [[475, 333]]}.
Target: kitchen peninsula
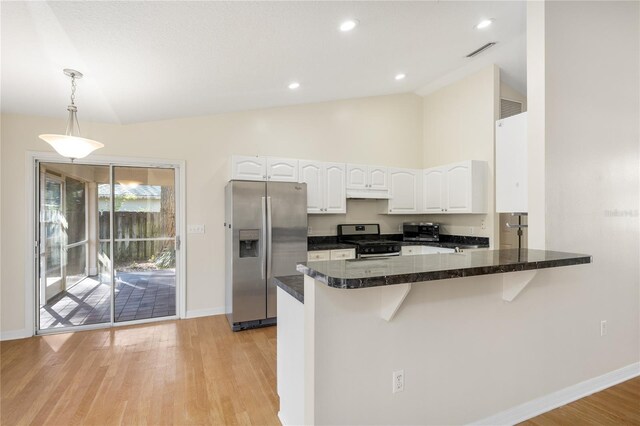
{"points": [[440, 322]]}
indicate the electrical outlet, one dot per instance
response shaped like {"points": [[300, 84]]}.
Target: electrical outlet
{"points": [[400, 227], [603, 328], [398, 381], [195, 229], [472, 230], [483, 225], [309, 230]]}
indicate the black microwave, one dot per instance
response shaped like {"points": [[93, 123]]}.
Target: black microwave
{"points": [[421, 231]]}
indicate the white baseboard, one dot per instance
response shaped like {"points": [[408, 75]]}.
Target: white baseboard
{"points": [[205, 312], [15, 334], [562, 397]]}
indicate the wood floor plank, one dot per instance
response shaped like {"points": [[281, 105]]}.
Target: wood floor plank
{"points": [[188, 372], [618, 405]]}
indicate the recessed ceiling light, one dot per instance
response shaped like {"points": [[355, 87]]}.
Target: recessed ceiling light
{"points": [[348, 25], [294, 85], [484, 24], [400, 76]]}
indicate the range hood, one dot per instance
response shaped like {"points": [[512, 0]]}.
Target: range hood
{"points": [[368, 194]]}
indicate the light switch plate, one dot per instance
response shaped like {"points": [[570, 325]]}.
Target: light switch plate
{"points": [[195, 229]]}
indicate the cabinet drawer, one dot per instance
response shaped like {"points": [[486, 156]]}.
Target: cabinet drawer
{"points": [[319, 255], [409, 250], [343, 254]]}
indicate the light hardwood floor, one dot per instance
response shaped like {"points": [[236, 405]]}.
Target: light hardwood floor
{"points": [[176, 372], [188, 372], [618, 405]]}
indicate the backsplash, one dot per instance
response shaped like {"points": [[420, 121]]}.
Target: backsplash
{"points": [[360, 211], [366, 211]]}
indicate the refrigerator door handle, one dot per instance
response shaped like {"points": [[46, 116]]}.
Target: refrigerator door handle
{"points": [[263, 239], [269, 238]]}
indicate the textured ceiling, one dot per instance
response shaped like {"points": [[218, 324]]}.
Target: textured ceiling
{"points": [[148, 61]]}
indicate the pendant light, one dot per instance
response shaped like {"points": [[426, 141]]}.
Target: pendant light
{"points": [[71, 145]]}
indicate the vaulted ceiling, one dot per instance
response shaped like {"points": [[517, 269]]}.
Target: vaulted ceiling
{"points": [[147, 61]]}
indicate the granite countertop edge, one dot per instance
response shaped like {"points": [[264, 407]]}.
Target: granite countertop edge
{"points": [[292, 284], [355, 283]]}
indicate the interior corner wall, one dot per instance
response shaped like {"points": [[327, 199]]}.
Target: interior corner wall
{"points": [[508, 92], [382, 130], [459, 125]]}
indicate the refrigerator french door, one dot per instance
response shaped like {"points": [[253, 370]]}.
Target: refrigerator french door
{"points": [[265, 237]]}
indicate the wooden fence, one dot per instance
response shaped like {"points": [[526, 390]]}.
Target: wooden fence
{"points": [[135, 225]]}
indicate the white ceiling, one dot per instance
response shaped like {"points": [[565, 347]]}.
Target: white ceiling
{"points": [[148, 61]]}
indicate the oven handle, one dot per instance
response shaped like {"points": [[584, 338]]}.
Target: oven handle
{"points": [[364, 256]]}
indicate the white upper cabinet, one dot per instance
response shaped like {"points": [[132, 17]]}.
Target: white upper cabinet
{"points": [[311, 173], [282, 169], [433, 194], [511, 165], [248, 168], [325, 186], [367, 181], [378, 178], [405, 194], [334, 188], [357, 176], [456, 188]]}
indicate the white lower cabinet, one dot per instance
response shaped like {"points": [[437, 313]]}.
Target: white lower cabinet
{"points": [[326, 192], [340, 254], [343, 254], [319, 255], [414, 250]]}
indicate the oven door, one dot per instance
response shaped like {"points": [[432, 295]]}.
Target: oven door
{"points": [[378, 255]]}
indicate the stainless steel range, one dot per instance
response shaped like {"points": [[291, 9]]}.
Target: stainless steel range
{"points": [[368, 241]]}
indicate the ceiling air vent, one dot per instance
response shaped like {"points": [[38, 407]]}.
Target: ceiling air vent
{"points": [[480, 50], [509, 108]]}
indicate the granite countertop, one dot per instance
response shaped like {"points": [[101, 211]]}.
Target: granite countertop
{"points": [[292, 284], [361, 273]]}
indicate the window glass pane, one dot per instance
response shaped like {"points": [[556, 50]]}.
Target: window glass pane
{"points": [[144, 203], [75, 210], [76, 264]]}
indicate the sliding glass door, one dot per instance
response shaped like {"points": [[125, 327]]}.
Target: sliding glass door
{"points": [[107, 244], [145, 236]]}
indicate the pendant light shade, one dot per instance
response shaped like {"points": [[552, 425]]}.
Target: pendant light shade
{"points": [[71, 145]]}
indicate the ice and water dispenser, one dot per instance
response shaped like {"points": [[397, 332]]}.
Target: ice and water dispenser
{"points": [[249, 241]]}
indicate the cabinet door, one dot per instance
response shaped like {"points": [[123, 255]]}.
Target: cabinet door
{"points": [[378, 178], [335, 196], [282, 169], [511, 164], [248, 168], [458, 184], [311, 173], [433, 190], [404, 191], [356, 176]]}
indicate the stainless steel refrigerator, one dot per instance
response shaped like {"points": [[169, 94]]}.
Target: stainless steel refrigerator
{"points": [[265, 236]]}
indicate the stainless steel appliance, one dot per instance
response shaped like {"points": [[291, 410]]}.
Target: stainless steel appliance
{"points": [[368, 241], [412, 231], [265, 236]]}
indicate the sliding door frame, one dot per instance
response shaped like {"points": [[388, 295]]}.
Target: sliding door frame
{"points": [[32, 256]]}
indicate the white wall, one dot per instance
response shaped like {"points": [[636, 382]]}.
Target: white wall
{"points": [[459, 125], [384, 130]]}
